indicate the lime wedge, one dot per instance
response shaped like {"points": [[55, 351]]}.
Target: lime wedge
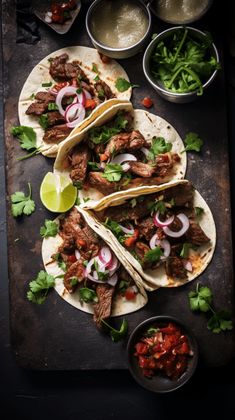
{"points": [[57, 192]]}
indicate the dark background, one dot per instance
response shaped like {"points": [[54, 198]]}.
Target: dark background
{"points": [[102, 394]]}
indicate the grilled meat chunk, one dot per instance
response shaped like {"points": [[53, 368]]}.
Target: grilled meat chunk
{"points": [[102, 309], [79, 160], [138, 182], [141, 169], [141, 249], [75, 270], [41, 104], [125, 142], [195, 235], [96, 180], [165, 163], [47, 97], [103, 90], [126, 213], [61, 70], [57, 133], [175, 268], [146, 228], [54, 118], [182, 195]]}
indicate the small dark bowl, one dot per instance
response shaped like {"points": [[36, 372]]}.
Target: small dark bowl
{"points": [[159, 383]]}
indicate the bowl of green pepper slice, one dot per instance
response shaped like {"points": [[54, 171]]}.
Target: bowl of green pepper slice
{"points": [[180, 63]]}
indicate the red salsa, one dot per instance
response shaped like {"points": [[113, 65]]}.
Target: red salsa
{"points": [[163, 350]]}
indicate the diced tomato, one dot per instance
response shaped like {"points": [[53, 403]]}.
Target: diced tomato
{"points": [[147, 102], [170, 329], [60, 85], [141, 348], [143, 362], [129, 242], [182, 349], [55, 8], [82, 243], [90, 103], [72, 258], [148, 373], [58, 18], [130, 294], [103, 157]]}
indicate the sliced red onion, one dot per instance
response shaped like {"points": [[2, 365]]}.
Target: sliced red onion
{"points": [[185, 222], [114, 265], [125, 167], [47, 19], [87, 94], [113, 280], [102, 165], [160, 223], [165, 244], [128, 231], [71, 112], [188, 265], [105, 256], [145, 151], [154, 240], [77, 254], [123, 157], [80, 115], [135, 289], [65, 91], [89, 266]]}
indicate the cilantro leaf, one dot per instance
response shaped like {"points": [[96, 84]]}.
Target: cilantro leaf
{"points": [[153, 255], [87, 295], [220, 321], [115, 334], [22, 204], [94, 166], [201, 299], [113, 172], [158, 146], [101, 135], [122, 84], [198, 211], [192, 142], [50, 229], [157, 206], [27, 138], [39, 287], [95, 68], [115, 228], [151, 331], [61, 264], [184, 253], [43, 121]]}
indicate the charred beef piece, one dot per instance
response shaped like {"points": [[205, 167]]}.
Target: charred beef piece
{"points": [[40, 105], [75, 270], [195, 235], [54, 118], [68, 244], [61, 70], [146, 228], [141, 169], [165, 163], [79, 160], [138, 182], [125, 213], [175, 268], [99, 149], [102, 309], [96, 180], [141, 249], [182, 194], [125, 142], [57, 133], [103, 90]]}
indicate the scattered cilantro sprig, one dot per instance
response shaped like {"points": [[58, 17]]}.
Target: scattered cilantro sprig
{"points": [[122, 84], [201, 300], [153, 255], [115, 334], [113, 172], [50, 228], [101, 135], [22, 204], [87, 295], [39, 287], [192, 142], [27, 139]]}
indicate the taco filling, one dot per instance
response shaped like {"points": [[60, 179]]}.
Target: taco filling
{"points": [[116, 156], [91, 269], [161, 230], [68, 100]]}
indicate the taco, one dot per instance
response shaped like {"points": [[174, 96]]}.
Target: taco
{"points": [[167, 233], [64, 89], [91, 277], [123, 148]]}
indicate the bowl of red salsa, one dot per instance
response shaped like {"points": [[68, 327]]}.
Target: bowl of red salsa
{"points": [[162, 354]]}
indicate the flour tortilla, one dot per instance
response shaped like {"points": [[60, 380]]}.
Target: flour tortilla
{"points": [[40, 74], [120, 305], [155, 278], [148, 124]]}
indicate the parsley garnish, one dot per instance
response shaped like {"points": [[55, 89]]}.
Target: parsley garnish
{"points": [[95, 68], [61, 264], [192, 142], [22, 204], [102, 134], [77, 184], [122, 84], [157, 206], [115, 228], [133, 202], [50, 229], [151, 331], [97, 78], [47, 84], [43, 121], [201, 300], [123, 285], [94, 166], [117, 335], [184, 253], [87, 295], [113, 172], [101, 94], [27, 138], [159, 145], [39, 287], [52, 106], [198, 211], [153, 255]]}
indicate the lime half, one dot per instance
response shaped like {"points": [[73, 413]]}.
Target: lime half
{"points": [[57, 192]]}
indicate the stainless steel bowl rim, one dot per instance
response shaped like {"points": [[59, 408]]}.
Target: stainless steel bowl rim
{"points": [[155, 83], [111, 49]]}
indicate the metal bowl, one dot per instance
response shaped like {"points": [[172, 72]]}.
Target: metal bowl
{"points": [[180, 19], [157, 85], [117, 52], [159, 383]]}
